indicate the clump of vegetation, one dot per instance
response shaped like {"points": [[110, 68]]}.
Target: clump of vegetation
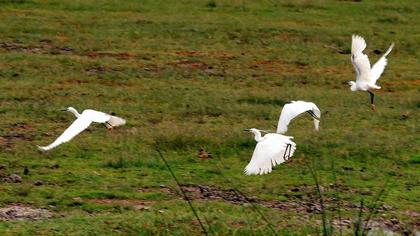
{"points": [[211, 3]]}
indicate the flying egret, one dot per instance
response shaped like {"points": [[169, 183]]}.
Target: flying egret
{"points": [[271, 149], [81, 123], [295, 108], [275, 148], [366, 76]]}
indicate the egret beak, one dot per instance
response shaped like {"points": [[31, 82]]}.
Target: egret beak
{"points": [[247, 130], [63, 109]]}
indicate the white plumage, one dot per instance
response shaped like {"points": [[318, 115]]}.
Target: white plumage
{"points": [[366, 76], [295, 108], [274, 148], [271, 150], [81, 123]]}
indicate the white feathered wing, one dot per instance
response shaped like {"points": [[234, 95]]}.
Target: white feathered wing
{"points": [[74, 129], [274, 149], [295, 108], [360, 60], [361, 63]]}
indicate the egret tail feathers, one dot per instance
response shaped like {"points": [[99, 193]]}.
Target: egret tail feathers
{"points": [[114, 121]]}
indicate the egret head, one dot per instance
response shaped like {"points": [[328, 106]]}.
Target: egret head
{"points": [[253, 130], [72, 110], [352, 85], [256, 133]]}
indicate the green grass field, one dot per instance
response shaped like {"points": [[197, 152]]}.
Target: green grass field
{"points": [[191, 75]]}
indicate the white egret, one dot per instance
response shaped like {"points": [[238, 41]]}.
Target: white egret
{"points": [[295, 108], [271, 149], [81, 123], [274, 148], [366, 76]]}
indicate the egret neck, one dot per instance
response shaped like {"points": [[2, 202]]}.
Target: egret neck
{"points": [[257, 134], [74, 111]]}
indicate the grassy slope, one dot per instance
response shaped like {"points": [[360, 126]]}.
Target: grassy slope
{"points": [[192, 76]]}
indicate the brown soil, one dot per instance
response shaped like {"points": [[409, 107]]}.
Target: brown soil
{"points": [[308, 204], [134, 203], [44, 47], [119, 55], [278, 66], [186, 63], [16, 212], [99, 70], [215, 54], [7, 141], [402, 82]]}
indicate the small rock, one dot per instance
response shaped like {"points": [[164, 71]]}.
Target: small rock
{"points": [[203, 154], [14, 178], [38, 183], [394, 221]]}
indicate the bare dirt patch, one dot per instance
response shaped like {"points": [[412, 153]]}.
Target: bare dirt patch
{"points": [[17, 133], [297, 203], [17, 212], [134, 203], [7, 141], [377, 226], [215, 54], [336, 70], [191, 64], [119, 55], [13, 178], [293, 203], [402, 82], [99, 70], [279, 66], [44, 47]]}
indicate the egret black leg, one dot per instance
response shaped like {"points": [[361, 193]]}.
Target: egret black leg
{"points": [[372, 97], [107, 125], [287, 156]]}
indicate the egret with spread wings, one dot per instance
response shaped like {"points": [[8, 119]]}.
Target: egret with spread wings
{"points": [[271, 149], [366, 76], [275, 148], [81, 123]]}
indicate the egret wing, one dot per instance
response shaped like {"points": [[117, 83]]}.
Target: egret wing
{"points": [[96, 116], [269, 153], [360, 60], [379, 67], [295, 108], [74, 129]]}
